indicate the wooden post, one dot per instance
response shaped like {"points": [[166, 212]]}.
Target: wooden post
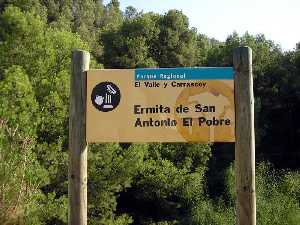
{"points": [[77, 140], [245, 139]]}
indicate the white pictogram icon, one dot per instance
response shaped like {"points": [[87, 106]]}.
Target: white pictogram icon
{"points": [[99, 100], [111, 90], [105, 96], [108, 104]]}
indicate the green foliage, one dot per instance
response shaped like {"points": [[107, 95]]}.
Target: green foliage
{"points": [[169, 182], [44, 209], [17, 103], [277, 197], [177, 44], [210, 213], [111, 171], [152, 173], [129, 46], [157, 184], [229, 180], [21, 175], [265, 52], [18, 33], [35, 85], [191, 157], [203, 47], [131, 13], [35, 6], [113, 16], [150, 40]]}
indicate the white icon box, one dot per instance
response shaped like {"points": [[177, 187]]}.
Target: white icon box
{"points": [[111, 90], [107, 101]]}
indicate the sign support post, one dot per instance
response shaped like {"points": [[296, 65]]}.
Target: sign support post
{"points": [[109, 96], [77, 140], [245, 137]]}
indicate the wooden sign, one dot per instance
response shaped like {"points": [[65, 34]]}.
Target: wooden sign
{"points": [[169, 105], [160, 105]]}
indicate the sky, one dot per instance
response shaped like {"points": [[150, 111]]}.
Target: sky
{"points": [[278, 20]]}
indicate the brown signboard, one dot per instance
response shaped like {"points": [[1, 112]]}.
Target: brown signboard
{"points": [[160, 105]]}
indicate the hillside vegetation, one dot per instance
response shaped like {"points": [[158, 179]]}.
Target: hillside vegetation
{"points": [[140, 184]]}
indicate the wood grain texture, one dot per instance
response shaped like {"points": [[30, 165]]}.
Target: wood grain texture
{"points": [[245, 137], [77, 139]]}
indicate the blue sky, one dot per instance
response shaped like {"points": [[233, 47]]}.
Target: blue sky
{"points": [[279, 20]]}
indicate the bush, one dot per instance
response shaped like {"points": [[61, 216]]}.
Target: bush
{"points": [[277, 196], [20, 175], [277, 193]]}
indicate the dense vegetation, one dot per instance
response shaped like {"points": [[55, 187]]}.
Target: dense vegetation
{"points": [[157, 184]]}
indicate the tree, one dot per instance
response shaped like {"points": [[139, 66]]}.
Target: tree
{"points": [[36, 63], [167, 185], [203, 46], [131, 13], [20, 173], [150, 40], [112, 18], [128, 183], [17, 103], [177, 44], [129, 47]]}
